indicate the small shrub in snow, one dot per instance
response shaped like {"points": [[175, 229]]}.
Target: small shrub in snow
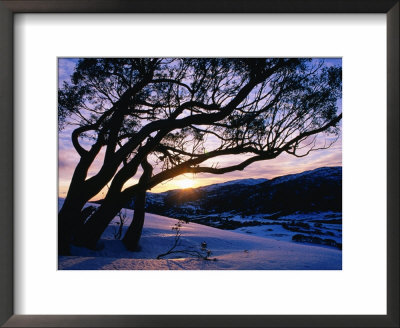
{"points": [[203, 253]]}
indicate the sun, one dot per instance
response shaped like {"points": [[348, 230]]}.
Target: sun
{"points": [[185, 183]]}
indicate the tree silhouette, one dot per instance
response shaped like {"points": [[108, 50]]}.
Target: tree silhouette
{"points": [[163, 117]]}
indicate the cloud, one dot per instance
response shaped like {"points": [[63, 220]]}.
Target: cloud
{"points": [[282, 165], [67, 161], [65, 68]]}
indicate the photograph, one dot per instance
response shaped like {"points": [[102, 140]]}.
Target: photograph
{"points": [[199, 171], [199, 163]]}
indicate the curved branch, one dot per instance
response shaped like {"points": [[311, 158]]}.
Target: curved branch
{"points": [[174, 82], [311, 149], [75, 139], [304, 135], [190, 166], [238, 167]]}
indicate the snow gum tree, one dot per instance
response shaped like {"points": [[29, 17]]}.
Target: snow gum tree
{"points": [[153, 119]]}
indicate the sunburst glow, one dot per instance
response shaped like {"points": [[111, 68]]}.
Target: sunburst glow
{"points": [[185, 183]]}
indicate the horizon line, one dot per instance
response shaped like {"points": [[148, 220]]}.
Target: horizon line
{"points": [[212, 184]]}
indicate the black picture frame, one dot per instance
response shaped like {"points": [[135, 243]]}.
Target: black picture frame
{"points": [[10, 7]]}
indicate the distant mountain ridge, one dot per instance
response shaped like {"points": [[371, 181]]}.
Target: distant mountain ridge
{"points": [[247, 182], [309, 191]]}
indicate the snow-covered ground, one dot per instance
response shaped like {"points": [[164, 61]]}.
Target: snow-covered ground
{"points": [[322, 225], [231, 250]]}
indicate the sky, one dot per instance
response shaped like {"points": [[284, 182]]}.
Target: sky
{"points": [[282, 165]]}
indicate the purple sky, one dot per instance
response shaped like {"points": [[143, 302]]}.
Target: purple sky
{"points": [[284, 164]]}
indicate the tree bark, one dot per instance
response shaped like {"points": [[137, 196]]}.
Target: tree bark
{"points": [[65, 231], [69, 216], [94, 227], [69, 221], [134, 232], [91, 231], [132, 236]]}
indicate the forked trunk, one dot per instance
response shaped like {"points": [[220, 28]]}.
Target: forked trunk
{"points": [[134, 232], [91, 231], [70, 214]]}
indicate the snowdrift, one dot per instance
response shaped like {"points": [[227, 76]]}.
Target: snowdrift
{"points": [[229, 250]]}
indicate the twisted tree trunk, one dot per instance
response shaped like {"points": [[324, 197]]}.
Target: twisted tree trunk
{"points": [[134, 232], [132, 236], [90, 233]]}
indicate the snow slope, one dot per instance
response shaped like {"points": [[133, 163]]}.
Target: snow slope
{"points": [[244, 182], [334, 172], [231, 250]]}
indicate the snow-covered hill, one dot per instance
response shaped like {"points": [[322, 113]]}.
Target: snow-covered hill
{"points": [[333, 173], [309, 191], [303, 207], [244, 182], [231, 250]]}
